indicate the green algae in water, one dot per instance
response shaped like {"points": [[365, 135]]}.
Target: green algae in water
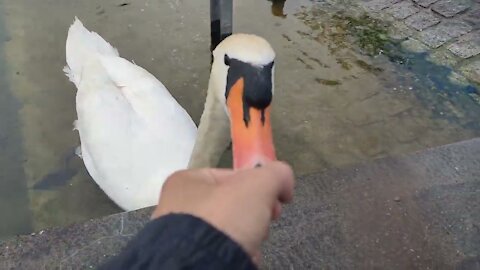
{"points": [[371, 36], [475, 97], [458, 103], [434, 87], [327, 82], [364, 65], [344, 64]]}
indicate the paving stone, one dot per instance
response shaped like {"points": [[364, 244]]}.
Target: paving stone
{"points": [[473, 17], [443, 57], [424, 3], [414, 46], [438, 35], [457, 78], [403, 10], [467, 46], [422, 20], [400, 31], [472, 71], [450, 8], [377, 5], [475, 97]]}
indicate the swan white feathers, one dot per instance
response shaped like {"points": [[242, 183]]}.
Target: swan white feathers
{"points": [[127, 120], [134, 134]]}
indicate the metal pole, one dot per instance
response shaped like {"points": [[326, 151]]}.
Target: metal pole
{"points": [[221, 15]]}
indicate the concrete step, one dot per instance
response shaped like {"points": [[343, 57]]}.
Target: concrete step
{"points": [[419, 211]]}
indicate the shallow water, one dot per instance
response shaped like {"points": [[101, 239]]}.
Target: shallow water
{"points": [[335, 104]]}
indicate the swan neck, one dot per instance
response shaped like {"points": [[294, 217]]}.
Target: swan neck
{"points": [[213, 135]]}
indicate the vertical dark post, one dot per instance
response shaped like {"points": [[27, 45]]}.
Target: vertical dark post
{"points": [[226, 19], [214, 23], [221, 15]]}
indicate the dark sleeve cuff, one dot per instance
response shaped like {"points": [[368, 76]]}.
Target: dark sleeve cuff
{"points": [[180, 241]]}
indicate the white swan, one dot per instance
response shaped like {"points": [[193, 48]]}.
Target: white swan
{"points": [[134, 134]]}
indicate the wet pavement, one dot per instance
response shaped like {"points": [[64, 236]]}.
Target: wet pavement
{"points": [[337, 101], [450, 30], [420, 211]]}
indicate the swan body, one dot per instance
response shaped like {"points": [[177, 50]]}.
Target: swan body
{"points": [[127, 121], [134, 134]]}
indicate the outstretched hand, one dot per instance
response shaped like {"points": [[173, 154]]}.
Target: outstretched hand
{"points": [[239, 203]]}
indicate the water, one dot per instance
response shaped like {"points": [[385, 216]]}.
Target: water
{"points": [[335, 104], [13, 199]]}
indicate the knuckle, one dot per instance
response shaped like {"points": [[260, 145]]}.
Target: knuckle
{"points": [[173, 178]]}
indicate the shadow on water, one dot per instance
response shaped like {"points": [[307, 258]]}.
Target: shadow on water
{"points": [[448, 100], [62, 176], [277, 8], [14, 202]]}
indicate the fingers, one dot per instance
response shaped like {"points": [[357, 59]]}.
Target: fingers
{"points": [[282, 180], [269, 185], [277, 210], [220, 175], [197, 176], [274, 181], [277, 176], [240, 203], [257, 258]]}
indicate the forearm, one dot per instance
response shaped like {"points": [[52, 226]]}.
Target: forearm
{"points": [[179, 241]]}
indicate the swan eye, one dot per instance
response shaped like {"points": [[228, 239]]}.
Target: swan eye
{"points": [[226, 59]]}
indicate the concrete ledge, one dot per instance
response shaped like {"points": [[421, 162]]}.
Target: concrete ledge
{"points": [[420, 211]]}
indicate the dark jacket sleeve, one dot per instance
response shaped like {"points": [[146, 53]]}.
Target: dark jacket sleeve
{"points": [[180, 241]]}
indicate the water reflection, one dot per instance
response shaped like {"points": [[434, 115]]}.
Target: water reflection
{"points": [[277, 8], [63, 175], [15, 214]]}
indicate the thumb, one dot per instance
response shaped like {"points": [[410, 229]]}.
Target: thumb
{"points": [[274, 180]]}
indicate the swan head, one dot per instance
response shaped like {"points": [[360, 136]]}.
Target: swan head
{"points": [[243, 73]]}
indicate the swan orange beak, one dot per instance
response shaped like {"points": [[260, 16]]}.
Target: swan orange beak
{"points": [[252, 139]]}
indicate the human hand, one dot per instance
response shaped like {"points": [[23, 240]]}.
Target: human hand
{"points": [[239, 203]]}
